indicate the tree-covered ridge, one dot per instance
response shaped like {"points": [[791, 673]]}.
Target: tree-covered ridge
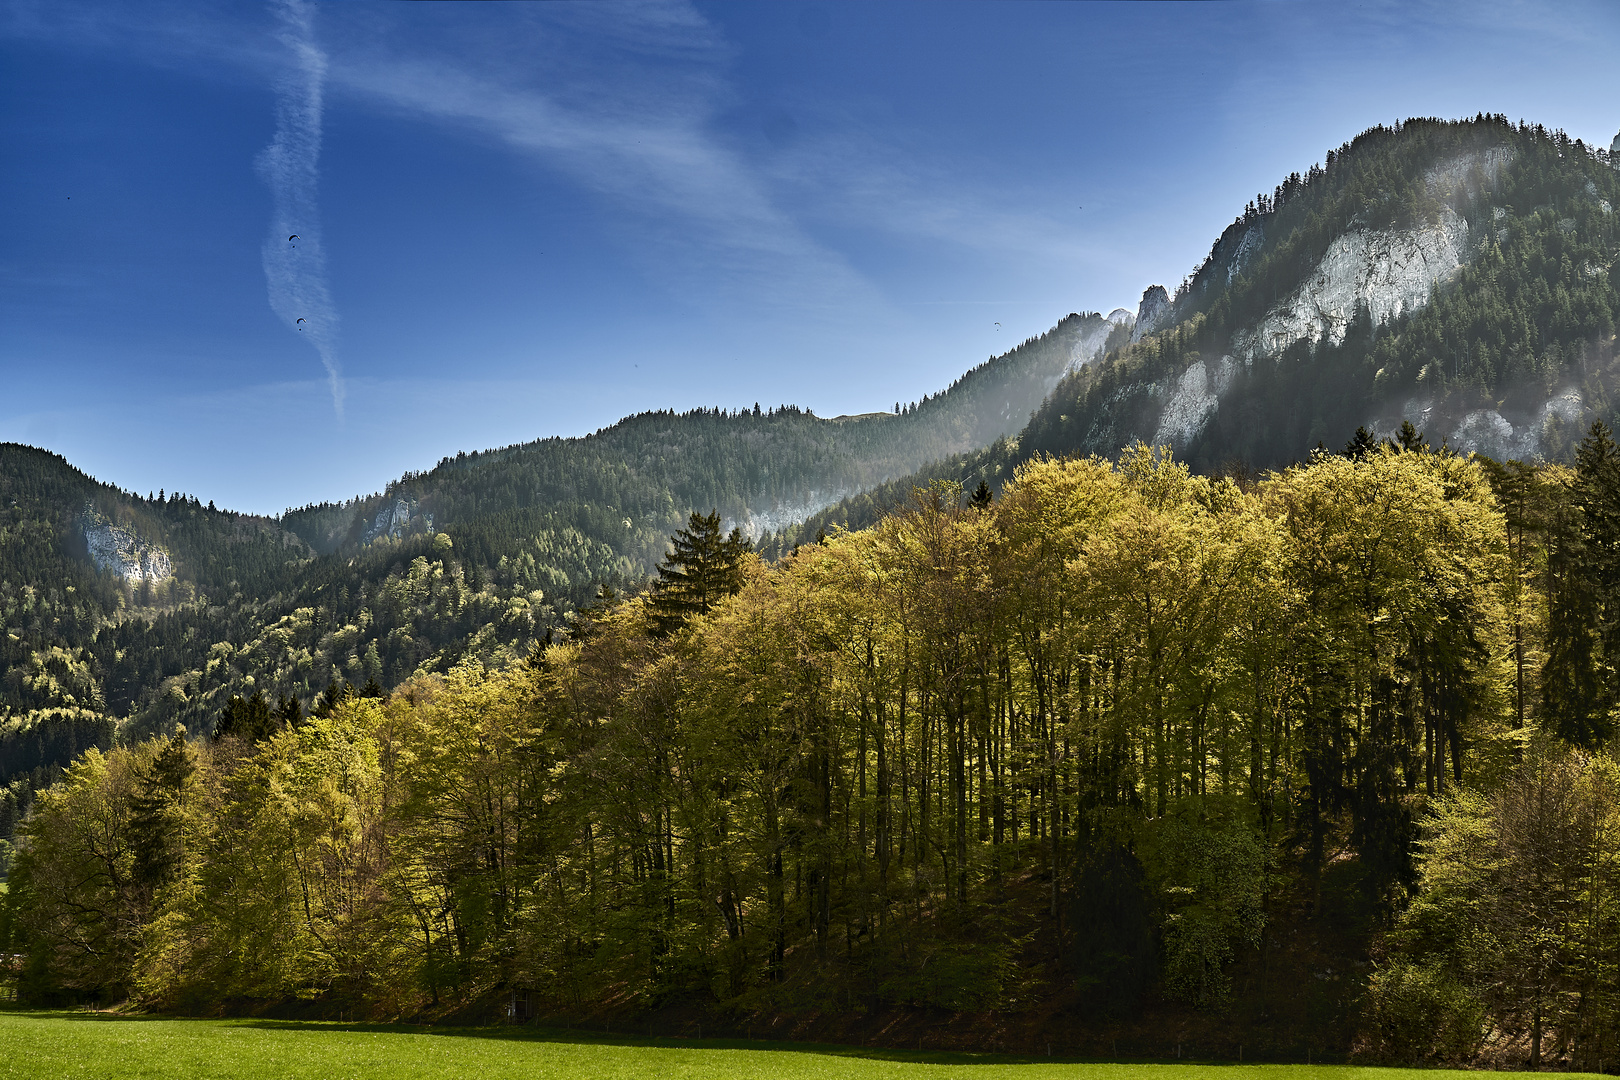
{"points": [[653, 469], [1531, 314], [520, 537], [932, 763]]}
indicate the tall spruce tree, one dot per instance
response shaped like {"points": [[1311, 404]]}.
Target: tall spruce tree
{"points": [[1579, 685], [701, 569], [155, 812], [249, 719]]}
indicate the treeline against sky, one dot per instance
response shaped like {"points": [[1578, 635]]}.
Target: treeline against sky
{"points": [[630, 485], [1119, 711], [1532, 308], [1532, 312]]}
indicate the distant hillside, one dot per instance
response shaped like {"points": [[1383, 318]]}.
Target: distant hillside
{"points": [[103, 595], [576, 512], [1460, 275], [127, 615]]}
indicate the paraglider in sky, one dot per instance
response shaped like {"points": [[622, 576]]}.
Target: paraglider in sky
{"points": [[291, 238], [300, 320], [998, 326]]}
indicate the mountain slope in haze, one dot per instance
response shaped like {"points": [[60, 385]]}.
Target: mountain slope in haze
{"points": [[130, 615], [1460, 275], [601, 507]]}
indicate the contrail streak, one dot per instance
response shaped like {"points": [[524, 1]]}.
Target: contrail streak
{"points": [[295, 269]]}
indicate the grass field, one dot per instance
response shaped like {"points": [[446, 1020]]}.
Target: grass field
{"points": [[86, 1045]]}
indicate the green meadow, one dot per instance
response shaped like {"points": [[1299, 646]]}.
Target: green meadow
{"points": [[88, 1045]]}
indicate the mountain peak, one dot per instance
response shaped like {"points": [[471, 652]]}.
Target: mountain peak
{"points": [[1152, 312]]}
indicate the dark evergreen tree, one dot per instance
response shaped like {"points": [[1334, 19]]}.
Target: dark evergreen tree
{"points": [[248, 719], [701, 569], [1579, 686], [289, 712], [156, 811], [1408, 438], [1364, 443], [328, 698]]}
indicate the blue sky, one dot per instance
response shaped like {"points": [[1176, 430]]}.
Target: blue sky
{"points": [[525, 220]]}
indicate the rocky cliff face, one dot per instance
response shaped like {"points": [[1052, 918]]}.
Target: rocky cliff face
{"points": [[756, 523], [1387, 271], [1088, 345], [1152, 313], [1523, 432], [117, 550], [1191, 400], [396, 518]]}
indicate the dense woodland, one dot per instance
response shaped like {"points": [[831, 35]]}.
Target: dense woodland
{"points": [[1089, 733]]}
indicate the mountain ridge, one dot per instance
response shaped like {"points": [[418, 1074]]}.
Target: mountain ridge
{"points": [[125, 615], [1455, 274]]}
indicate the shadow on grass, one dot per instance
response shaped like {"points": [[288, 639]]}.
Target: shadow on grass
{"points": [[578, 1037]]}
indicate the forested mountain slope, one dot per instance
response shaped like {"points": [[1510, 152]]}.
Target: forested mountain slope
{"points": [[103, 595], [625, 488], [1460, 275], [127, 613]]}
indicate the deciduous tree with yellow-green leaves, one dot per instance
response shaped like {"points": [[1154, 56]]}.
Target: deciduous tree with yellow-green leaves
{"points": [[1106, 716]]}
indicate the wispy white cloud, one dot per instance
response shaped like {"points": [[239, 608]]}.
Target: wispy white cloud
{"points": [[622, 101], [856, 177], [294, 260], [634, 103]]}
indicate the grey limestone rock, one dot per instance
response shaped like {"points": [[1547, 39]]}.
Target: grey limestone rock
{"points": [[1152, 312]]}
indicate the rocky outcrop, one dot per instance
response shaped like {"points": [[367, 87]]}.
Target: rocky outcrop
{"points": [[756, 523], [1088, 346], [1464, 178], [1122, 317], [1193, 399], [1504, 433], [1152, 313], [1388, 271], [396, 519], [117, 550], [1248, 246]]}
